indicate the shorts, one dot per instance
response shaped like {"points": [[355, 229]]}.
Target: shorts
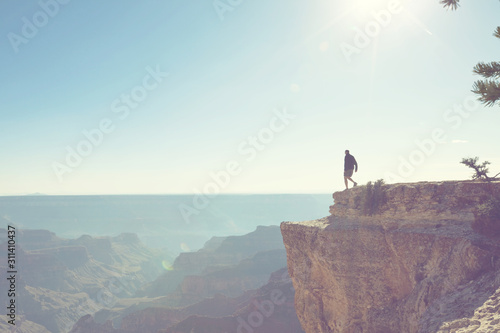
{"points": [[348, 173]]}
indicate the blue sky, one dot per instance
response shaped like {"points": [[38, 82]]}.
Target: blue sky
{"points": [[175, 91]]}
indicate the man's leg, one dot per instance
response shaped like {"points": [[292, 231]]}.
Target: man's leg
{"points": [[351, 181], [345, 181]]}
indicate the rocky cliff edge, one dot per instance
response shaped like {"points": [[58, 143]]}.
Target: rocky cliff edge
{"points": [[415, 261]]}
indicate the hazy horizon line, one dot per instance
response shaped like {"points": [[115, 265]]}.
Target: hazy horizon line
{"points": [[157, 194]]}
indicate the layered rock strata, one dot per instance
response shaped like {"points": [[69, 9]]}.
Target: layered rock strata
{"points": [[412, 266]]}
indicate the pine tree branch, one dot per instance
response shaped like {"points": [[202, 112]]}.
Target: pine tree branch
{"points": [[480, 170], [488, 90], [453, 4], [491, 70], [497, 33]]}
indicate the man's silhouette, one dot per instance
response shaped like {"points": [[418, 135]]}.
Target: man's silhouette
{"points": [[349, 165]]}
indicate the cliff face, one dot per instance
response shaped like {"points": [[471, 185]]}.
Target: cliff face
{"points": [[417, 265], [228, 267], [212, 290], [268, 309], [218, 254]]}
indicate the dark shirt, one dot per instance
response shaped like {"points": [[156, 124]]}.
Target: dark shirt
{"points": [[350, 162]]}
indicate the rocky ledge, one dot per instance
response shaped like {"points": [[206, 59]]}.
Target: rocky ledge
{"points": [[399, 258]]}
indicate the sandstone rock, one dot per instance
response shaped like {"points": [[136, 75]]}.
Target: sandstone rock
{"points": [[22, 326], [218, 254], [383, 273], [61, 280], [251, 312]]}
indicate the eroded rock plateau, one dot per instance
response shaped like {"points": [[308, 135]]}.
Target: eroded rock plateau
{"points": [[420, 264]]}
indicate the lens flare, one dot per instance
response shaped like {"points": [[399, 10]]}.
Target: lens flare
{"points": [[185, 248], [167, 266]]}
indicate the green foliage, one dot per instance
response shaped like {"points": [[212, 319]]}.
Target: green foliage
{"points": [[488, 90], [487, 217], [373, 197], [491, 70], [480, 170], [453, 4]]}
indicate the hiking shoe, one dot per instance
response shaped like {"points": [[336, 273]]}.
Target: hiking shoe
{"points": [[355, 184]]}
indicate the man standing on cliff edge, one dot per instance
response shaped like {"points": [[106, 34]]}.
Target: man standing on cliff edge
{"points": [[349, 164]]}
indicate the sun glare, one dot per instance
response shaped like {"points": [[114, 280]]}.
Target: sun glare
{"points": [[366, 6]]}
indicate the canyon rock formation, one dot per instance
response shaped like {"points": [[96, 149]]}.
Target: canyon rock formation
{"points": [[402, 258]]}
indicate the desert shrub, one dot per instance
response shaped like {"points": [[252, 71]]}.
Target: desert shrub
{"points": [[487, 217], [373, 197]]}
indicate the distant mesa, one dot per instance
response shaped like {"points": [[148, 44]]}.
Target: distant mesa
{"points": [[221, 287], [61, 280]]}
